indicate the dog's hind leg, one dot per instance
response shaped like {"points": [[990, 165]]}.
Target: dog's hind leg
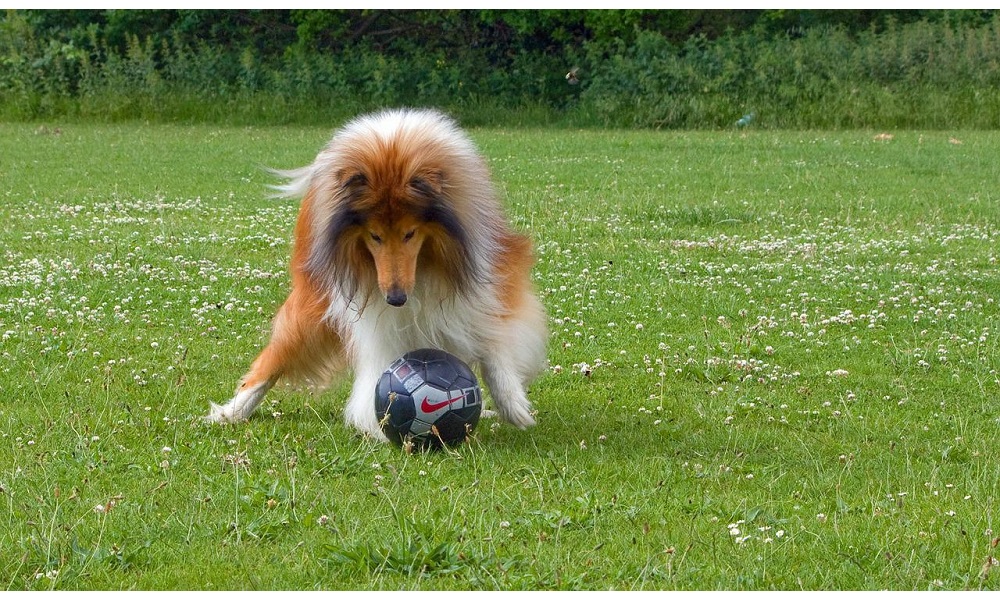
{"points": [[302, 346]]}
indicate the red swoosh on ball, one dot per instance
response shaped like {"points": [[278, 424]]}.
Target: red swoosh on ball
{"points": [[427, 407]]}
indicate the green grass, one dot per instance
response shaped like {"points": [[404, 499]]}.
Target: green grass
{"points": [[773, 365]]}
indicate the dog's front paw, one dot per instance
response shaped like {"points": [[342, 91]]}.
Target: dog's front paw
{"points": [[360, 415], [518, 414], [239, 408], [222, 413]]}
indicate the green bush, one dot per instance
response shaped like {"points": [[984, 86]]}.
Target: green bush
{"points": [[499, 68], [919, 75]]}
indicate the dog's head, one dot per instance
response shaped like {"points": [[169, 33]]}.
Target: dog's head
{"points": [[397, 223], [395, 197]]}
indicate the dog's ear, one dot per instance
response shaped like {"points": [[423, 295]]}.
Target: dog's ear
{"points": [[428, 183]]}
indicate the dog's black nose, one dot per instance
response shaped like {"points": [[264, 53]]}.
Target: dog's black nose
{"points": [[396, 297]]}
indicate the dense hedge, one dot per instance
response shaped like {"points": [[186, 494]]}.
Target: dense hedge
{"points": [[632, 68]]}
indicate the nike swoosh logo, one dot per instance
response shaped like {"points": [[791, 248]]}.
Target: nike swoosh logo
{"points": [[429, 407]]}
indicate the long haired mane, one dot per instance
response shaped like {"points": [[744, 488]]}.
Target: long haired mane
{"points": [[414, 162]]}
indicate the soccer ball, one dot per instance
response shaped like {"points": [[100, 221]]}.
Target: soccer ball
{"points": [[427, 398]]}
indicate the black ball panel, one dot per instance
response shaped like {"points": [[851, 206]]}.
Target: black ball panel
{"points": [[441, 373], [465, 381]]}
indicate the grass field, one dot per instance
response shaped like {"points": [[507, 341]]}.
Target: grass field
{"points": [[773, 364]]}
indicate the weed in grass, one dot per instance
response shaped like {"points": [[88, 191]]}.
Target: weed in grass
{"points": [[416, 553]]}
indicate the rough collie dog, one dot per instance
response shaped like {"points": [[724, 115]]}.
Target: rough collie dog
{"points": [[400, 244]]}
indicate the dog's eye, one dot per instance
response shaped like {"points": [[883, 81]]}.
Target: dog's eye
{"points": [[375, 237], [356, 180], [409, 235], [422, 187]]}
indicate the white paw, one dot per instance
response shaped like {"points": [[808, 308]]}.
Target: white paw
{"points": [[360, 414], [521, 419], [222, 413], [240, 407], [517, 414], [378, 436], [368, 429]]}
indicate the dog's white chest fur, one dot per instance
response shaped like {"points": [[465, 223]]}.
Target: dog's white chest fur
{"points": [[429, 319]]}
